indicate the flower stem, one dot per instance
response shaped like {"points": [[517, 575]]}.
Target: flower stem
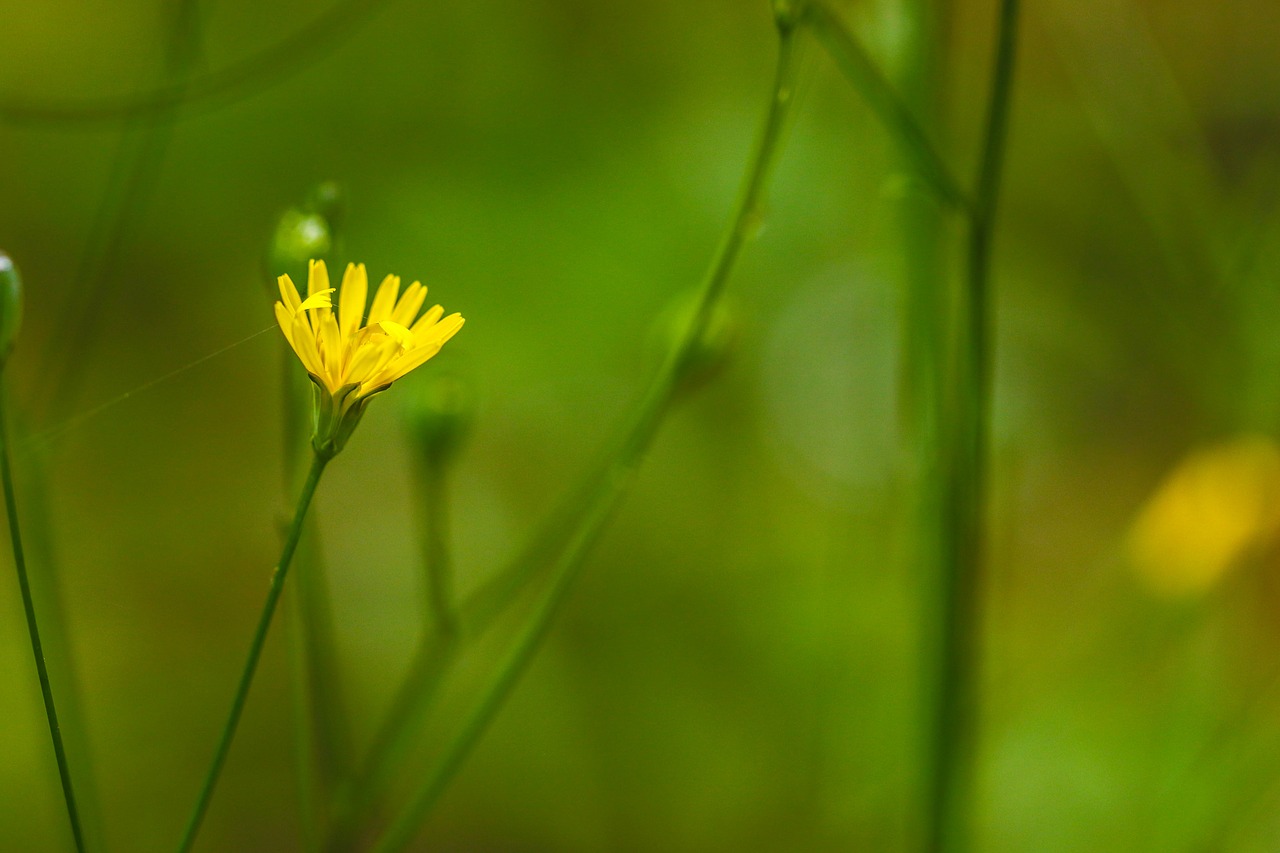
{"points": [[604, 489], [37, 649], [965, 492], [318, 464]]}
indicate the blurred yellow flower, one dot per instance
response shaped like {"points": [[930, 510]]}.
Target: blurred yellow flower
{"points": [[1214, 508], [348, 357]]}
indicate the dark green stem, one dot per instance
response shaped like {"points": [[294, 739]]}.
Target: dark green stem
{"points": [[37, 649], [255, 651], [889, 107], [605, 489], [965, 494]]}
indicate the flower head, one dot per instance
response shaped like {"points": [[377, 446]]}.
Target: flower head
{"points": [[350, 357]]}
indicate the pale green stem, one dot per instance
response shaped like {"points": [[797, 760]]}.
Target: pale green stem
{"points": [[608, 486], [255, 652], [965, 497], [888, 106]]}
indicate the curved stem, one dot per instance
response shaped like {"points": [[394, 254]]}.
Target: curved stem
{"points": [[965, 492], [289, 56], [255, 651], [131, 185], [603, 490], [37, 649], [451, 760]]}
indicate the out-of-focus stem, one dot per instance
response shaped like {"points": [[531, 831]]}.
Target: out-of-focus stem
{"points": [[130, 187], [964, 497], [255, 652], [890, 108], [292, 54], [605, 489]]}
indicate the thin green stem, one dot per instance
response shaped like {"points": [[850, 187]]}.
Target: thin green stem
{"points": [[291, 55], [255, 651], [131, 185], [604, 489], [403, 829], [37, 649], [889, 107], [965, 493]]}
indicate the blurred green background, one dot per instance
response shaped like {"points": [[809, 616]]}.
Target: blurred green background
{"points": [[741, 666]]}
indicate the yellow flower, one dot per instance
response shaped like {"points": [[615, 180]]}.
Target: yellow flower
{"points": [[350, 358], [1217, 506]]}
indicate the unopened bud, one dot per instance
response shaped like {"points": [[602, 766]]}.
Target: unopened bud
{"points": [[299, 238], [10, 307], [328, 200], [786, 13], [439, 413]]}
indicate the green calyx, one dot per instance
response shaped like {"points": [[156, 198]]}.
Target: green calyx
{"points": [[335, 415], [439, 413]]}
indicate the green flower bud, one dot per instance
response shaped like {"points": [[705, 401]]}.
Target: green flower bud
{"points": [[328, 200], [10, 307], [787, 13], [299, 238], [439, 413]]}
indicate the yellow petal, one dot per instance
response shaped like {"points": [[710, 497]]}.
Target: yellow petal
{"points": [[289, 293], [304, 344], [317, 283], [385, 299], [285, 318], [351, 299], [410, 361], [394, 330], [410, 302], [317, 277], [442, 331], [362, 362], [429, 318], [331, 347], [317, 301]]}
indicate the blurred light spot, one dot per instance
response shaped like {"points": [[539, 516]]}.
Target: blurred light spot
{"points": [[1215, 507], [829, 383]]}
